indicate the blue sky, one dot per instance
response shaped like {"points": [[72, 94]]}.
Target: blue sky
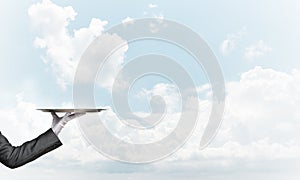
{"points": [[257, 44]]}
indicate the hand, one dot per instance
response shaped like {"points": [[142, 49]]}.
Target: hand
{"points": [[59, 122]]}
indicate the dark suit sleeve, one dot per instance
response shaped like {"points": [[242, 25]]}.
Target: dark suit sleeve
{"points": [[16, 156]]}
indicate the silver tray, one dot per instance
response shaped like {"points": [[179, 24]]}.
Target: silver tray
{"points": [[95, 110]]}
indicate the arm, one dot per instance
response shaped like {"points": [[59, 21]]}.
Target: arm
{"points": [[16, 156]]}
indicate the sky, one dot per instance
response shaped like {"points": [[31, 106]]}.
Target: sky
{"points": [[256, 44]]}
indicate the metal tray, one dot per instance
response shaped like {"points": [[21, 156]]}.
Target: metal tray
{"points": [[94, 110]]}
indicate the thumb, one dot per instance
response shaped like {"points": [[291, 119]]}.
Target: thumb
{"points": [[54, 115]]}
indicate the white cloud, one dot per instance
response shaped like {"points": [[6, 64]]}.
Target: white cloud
{"points": [[64, 49], [171, 116], [127, 21], [25, 119], [260, 126], [261, 106], [111, 65], [152, 5], [50, 18], [259, 130], [231, 42], [258, 50], [260, 122], [168, 92]]}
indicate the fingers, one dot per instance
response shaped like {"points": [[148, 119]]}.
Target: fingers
{"points": [[54, 115], [76, 115], [66, 116], [69, 116]]}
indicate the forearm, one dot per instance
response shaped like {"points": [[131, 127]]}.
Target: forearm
{"points": [[14, 157]]}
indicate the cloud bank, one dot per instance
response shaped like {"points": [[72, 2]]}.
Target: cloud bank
{"points": [[63, 49]]}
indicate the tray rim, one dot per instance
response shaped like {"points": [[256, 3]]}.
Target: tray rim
{"points": [[64, 110]]}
